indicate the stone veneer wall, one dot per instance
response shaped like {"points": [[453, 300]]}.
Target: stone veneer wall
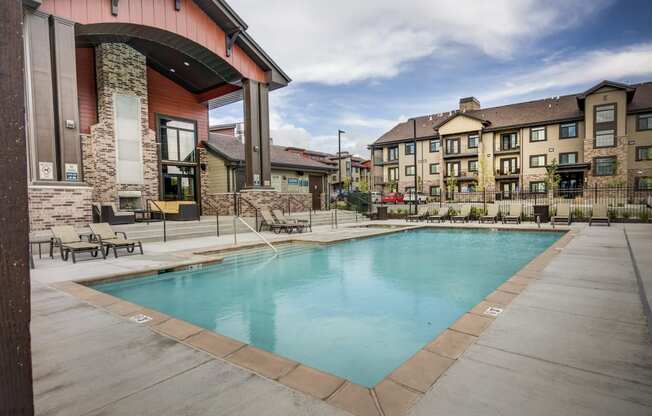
{"points": [[51, 205], [120, 69], [298, 202], [620, 151]]}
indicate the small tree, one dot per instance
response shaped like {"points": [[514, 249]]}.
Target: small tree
{"points": [[346, 183], [552, 177], [364, 185], [483, 175], [393, 185], [419, 184], [451, 185]]}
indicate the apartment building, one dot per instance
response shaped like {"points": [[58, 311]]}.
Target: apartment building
{"points": [[600, 137], [355, 173]]}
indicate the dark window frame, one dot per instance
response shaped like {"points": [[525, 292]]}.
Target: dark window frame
{"points": [[516, 147], [468, 141], [469, 165], [438, 169], [569, 153], [545, 134], [561, 125], [638, 183], [639, 117], [459, 169], [595, 165], [545, 187], [390, 170], [407, 146], [638, 158], [435, 187], [607, 125], [438, 147], [389, 153], [459, 147], [514, 163], [545, 161], [410, 166]]}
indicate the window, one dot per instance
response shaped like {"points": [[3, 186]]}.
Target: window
{"points": [[409, 148], [644, 122], [604, 166], [435, 191], [605, 138], [538, 134], [177, 140], [605, 113], [473, 165], [434, 168], [568, 158], [392, 174], [644, 153], [128, 139], [452, 146], [410, 170], [568, 130], [434, 145], [538, 187], [453, 169], [392, 153], [473, 141], [537, 161], [508, 141], [508, 166], [644, 183]]}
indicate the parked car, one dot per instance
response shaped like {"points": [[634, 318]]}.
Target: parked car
{"points": [[393, 198], [376, 197], [409, 198]]}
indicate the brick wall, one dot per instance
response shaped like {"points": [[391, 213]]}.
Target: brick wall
{"points": [[59, 205], [296, 202]]}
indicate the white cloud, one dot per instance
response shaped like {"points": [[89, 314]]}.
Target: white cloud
{"points": [[342, 41], [590, 67]]}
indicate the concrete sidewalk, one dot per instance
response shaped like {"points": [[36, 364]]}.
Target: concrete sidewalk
{"points": [[575, 342]]}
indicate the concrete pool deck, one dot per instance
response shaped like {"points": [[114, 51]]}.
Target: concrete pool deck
{"points": [[578, 331]]}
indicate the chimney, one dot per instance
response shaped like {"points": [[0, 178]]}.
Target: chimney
{"points": [[469, 104]]}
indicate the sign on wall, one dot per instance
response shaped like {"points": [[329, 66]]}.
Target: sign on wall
{"points": [[72, 172], [46, 170]]}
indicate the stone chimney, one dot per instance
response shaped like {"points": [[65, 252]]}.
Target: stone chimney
{"points": [[469, 104]]}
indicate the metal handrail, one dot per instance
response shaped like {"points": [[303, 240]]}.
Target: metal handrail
{"points": [[240, 198], [165, 236], [217, 214], [258, 234]]}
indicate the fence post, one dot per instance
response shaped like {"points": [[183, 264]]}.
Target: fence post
{"points": [[595, 192]]}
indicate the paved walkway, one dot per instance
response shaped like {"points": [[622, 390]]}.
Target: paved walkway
{"points": [[574, 342]]}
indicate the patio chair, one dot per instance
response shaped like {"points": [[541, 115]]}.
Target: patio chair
{"points": [[422, 214], [109, 239], [464, 214], [600, 214], [515, 213], [438, 215], [283, 218], [69, 243], [276, 225], [492, 214], [563, 214]]}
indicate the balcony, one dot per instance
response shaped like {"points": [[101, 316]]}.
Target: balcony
{"points": [[509, 151], [462, 176], [508, 173], [468, 153]]}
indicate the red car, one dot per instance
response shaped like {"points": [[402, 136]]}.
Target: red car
{"points": [[392, 198]]}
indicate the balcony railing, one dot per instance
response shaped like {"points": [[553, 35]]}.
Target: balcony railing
{"points": [[461, 175], [508, 172], [467, 153]]}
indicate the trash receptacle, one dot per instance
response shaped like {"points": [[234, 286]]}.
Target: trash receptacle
{"points": [[381, 213], [543, 212]]}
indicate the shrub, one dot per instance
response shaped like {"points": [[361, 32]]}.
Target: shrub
{"points": [[644, 216], [452, 212], [578, 214], [626, 214], [477, 212], [612, 214]]}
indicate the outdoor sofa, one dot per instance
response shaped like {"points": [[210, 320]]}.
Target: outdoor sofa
{"points": [[108, 212], [109, 239], [70, 243], [174, 210]]}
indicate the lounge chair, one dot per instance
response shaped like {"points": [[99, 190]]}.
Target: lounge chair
{"points": [[109, 239], [515, 212], [563, 214], [492, 214], [276, 225], [600, 214], [463, 215], [438, 215], [69, 243], [422, 214], [283, 218]]}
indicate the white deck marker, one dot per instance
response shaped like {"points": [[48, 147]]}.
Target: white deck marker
{"points": [[140, 318], [493, 311]]}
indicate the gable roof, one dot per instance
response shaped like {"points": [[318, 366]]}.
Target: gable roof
{"points": [[231, 149]]}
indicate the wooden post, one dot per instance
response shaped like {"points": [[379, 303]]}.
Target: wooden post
{"points": [[16, 397]]}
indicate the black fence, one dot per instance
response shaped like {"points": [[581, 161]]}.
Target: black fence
{"points": [[623, 203]]}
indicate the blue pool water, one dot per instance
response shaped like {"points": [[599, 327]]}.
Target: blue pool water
{"points": [[356, 309]]}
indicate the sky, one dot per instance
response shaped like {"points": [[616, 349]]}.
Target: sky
{"points": [[363, 66]]}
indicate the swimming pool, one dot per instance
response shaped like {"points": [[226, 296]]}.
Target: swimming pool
{"points": [[356, 309]]}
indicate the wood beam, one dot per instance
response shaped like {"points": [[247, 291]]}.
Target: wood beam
{"points": [[16, 395]]}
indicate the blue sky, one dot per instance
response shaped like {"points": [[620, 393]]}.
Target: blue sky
{"points": [[363, 66]]}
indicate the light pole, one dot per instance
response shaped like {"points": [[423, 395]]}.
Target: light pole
{"points": [[339, 163]]}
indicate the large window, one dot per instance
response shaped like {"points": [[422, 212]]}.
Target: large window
{"points": [[434, 145], [568, 130], [452, 146], [177, 140], [392, 153], [605, 113], [604, 166], [508, 166], [644, 122], [508, 141], [434, 168], [392, 174], [453, 169], [178, 183], [537, 161], [473, 165], [644, 153], [409, 148], [568, 158], [538, 134], [410, 170], [605, 125], [473, 141], [128, 139], [605, 138], [538, 187]]}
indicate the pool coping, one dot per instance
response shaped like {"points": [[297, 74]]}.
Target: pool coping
{"points": [[394, 395]]}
